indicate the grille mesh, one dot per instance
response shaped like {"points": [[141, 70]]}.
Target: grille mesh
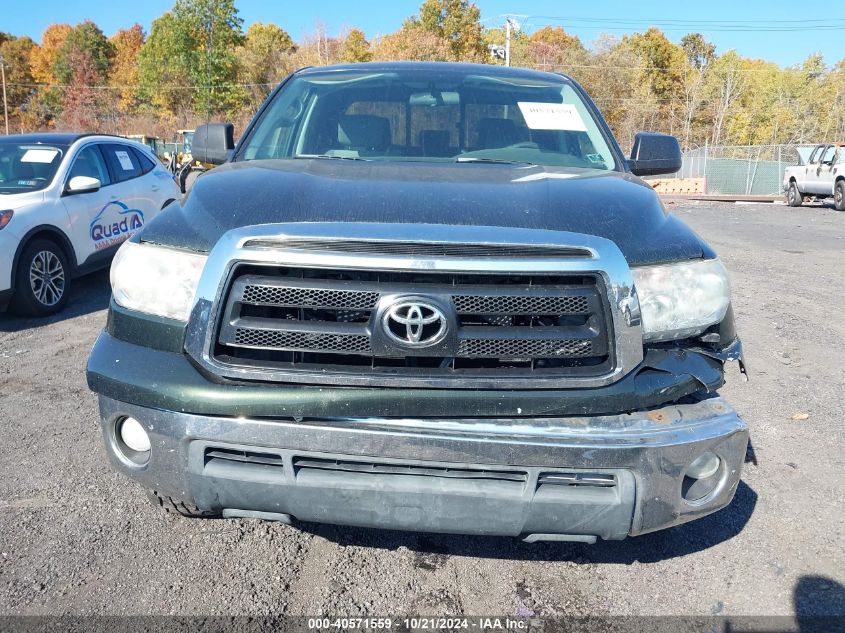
{"points": [[523, 348], [514, 304], [292, 340], [309, 297]]}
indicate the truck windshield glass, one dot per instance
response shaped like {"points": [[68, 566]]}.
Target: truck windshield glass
{"points": [[430, 116], [27, 166]]}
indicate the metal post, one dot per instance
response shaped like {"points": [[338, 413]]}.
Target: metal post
{"points": [[5, 105], [704, 171], [508, 42]]}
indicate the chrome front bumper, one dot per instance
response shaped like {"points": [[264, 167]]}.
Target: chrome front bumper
{"points": [[482, 476]]}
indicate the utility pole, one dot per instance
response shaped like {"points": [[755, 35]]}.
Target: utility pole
{"points": [[5, 105], [510, 25], [507, 42]]}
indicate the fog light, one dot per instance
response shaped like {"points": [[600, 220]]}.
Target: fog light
{"points": [[704, 466], [134, 436]]}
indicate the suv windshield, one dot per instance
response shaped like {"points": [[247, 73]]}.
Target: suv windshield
{"points": [[421, 115], [28, 166]]}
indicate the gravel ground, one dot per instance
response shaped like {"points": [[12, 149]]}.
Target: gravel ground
{"points": [[76, 538]]}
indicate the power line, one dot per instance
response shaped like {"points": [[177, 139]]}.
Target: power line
{"points": [[686, 21], [611, 24]]}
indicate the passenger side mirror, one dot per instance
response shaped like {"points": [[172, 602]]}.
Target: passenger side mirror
{"points": [[654, 154], [82, 184], [213, 143]]}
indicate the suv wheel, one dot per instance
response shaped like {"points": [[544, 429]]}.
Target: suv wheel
{"points": [[839, 195], [42, 280], [793, 196]]}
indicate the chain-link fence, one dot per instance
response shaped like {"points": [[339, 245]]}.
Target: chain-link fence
{"points": [[746, 170]]}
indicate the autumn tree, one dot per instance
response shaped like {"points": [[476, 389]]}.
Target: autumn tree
{"points": [[355, 47], [699, 51], [555, 36], [609, 78], [86, 38], [123, 74], [552, 48], [317, 48], [15, 53], [458, 22], [264, 60], [45, 104], [190, 58], [163, 70], [412, 43], [699, 55], [726, 83], [43, 58], [80, 107], [662, 61]]}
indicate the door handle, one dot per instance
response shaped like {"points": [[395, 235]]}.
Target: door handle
{"points": [[113, 197], [155, 187]]}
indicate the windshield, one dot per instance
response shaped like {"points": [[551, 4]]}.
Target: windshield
{"points": [[28, 166], [419, 115]]}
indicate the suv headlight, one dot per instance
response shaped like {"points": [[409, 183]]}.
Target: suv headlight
{"points": [[156, 280], [681, 300]]}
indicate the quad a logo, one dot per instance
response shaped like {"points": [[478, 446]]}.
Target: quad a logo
{"points": [[115, 223]]}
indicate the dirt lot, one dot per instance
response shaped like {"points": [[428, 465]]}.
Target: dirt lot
{"points": [[77, 538]]}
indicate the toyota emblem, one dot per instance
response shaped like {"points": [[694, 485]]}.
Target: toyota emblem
{"points": [[414, 323]]}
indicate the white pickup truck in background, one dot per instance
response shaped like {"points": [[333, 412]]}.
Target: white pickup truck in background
{"points": [[819, 174]]}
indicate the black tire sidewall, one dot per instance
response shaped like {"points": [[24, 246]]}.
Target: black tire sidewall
{"points": [[839, 189], [793, 196], [25, 301]]}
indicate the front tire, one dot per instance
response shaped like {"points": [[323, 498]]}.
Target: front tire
{"points": [[794, 198], [178, 507], [42, 280], [839, 195]]}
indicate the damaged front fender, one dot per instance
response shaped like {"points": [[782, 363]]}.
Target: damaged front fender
{"points": [[665, 376]]}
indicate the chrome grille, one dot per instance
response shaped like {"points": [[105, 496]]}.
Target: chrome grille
{"points": [[420, 249], [513, 325]]}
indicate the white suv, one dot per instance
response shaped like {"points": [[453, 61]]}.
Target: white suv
{"points": [[67, 202]]}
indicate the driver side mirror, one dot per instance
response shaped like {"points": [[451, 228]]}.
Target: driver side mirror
{"points": [[82, 184], [213, 143], [654, 154]]}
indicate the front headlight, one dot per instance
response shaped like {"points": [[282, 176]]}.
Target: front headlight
{"points": [[156, 280], [681, 300]]}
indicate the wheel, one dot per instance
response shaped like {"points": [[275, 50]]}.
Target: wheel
{"points": [[794, 198], [839, 195], [178, 507], [42, 279]]}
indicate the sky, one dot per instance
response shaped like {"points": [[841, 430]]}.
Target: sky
{"points": [[784, 32]]}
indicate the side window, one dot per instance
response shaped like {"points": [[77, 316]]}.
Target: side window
{"points": [[816, 155], [89, 162], [829, 153], [146, 163], [123, 162]]}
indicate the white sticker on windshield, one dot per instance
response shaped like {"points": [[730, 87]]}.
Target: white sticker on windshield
{"points": [[551, 116], [39, 155], [125, 162]]}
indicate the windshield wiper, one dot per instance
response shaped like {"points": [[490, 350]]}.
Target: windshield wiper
{"points": [[500, 161], [330, 156]]}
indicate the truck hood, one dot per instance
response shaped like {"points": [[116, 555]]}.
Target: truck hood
{"points": [[613, 205]]}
